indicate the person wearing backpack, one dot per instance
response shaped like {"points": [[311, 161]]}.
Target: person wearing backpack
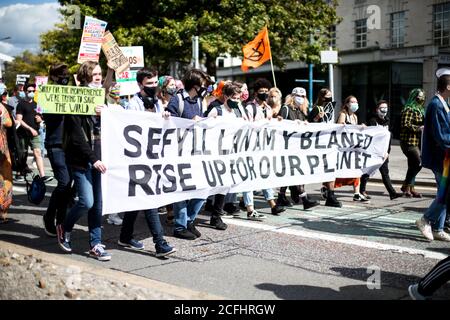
{"points": [[146, 101], [187, 104], [295, 108], [6, 184]]}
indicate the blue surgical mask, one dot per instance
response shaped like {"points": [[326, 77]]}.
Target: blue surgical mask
{"points": [[354, 107], [22, 95]]}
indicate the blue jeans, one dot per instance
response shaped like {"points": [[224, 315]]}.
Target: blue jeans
{"points": [[153, 222], [248, 196], [436, 213], [57, 205], [185, 212], [231, 198], [42, 133], [86, 189]]}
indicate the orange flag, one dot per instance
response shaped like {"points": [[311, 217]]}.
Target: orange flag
{"points": [[257, 51]]}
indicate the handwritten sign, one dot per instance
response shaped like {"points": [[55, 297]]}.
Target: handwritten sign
{"points": [[70, 99], [135, 56], [116, 58], [128, 83], [91, 40]]}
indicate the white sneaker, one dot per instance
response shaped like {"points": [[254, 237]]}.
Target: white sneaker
{"points": [[255, 216], [441, 235], [115, 219], [425, 228]]}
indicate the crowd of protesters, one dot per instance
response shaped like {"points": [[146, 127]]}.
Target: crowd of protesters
{"points": [[73, 144]]}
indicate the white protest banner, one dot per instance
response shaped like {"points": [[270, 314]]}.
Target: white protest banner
{"points": [[127, 82], [116, 59], [135, 56], [91, 40], [152, 162]]}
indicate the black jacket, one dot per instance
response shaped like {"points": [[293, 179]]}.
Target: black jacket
{"points": [[377, 121], [78, 141]]}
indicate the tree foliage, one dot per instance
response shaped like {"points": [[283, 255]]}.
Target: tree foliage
{"points": [[165, 28]]}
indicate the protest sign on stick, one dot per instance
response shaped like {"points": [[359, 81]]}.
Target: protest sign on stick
{"points": [[91, 40], [116, 59]]}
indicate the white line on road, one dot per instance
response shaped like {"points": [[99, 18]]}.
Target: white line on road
{"points": [[338, 239]]}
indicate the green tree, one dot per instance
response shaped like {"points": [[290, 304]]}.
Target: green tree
{"points": [[165, 28]]}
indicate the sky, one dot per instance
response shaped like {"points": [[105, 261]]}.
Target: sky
{"points": [[24, 21]]}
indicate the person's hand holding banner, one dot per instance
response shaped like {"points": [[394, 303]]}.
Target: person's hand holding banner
{"points": [[100, 166]]}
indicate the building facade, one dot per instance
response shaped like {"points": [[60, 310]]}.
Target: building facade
{"points": [[386, 48]]}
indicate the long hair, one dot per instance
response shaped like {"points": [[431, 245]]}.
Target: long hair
{"points": [[321, 97], [84, 74]]}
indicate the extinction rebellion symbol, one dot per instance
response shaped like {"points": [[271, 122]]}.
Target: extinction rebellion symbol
{"points": [[258, 52]]}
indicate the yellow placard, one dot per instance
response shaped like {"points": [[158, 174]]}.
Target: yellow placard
{"points": [[70, 99]]}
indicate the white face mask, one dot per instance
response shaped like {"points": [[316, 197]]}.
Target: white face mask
{"points": [[382, 113], [354, 107], [299, 100], [95, 85], [30, 95]]}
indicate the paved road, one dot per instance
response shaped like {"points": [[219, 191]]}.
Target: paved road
{"points": [[320, 254]]}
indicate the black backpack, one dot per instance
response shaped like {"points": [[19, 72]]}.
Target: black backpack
{"points": [[36, 190]]}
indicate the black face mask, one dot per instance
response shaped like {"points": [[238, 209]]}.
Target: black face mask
{"points": [[233, 104], [150, 91], [201, 92], [263, 96], [62, 81]]}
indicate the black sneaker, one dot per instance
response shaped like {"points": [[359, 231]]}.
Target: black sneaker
{"points": [[277, 210], [231, 209], [283, 201], [242, 205], [184, 234], [192, 229], [217, 223], [49, 227], [46, 179]]}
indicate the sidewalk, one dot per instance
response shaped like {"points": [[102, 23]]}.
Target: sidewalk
{"points": [[398, 165]]}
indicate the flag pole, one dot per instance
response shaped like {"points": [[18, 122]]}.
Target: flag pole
{"points": [[271, 61]]}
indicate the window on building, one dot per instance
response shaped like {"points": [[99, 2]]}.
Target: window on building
{"points": [[398, 29], [361, 33], [441, 24], [332, 33]]}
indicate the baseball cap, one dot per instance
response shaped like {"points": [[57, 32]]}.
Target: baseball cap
{"points": [[299, 91], [443, 72]]}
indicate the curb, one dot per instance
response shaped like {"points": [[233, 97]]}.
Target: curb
{"points": [[179, 292]]}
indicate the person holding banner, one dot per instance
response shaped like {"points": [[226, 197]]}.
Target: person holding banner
{"points": [[274, 101], [146, 80], [317, 115], [188, 104], [167, 89], [28, 131], [258, 110], [295, 109], [380, 118], [348, 116], [435, 150], [57, 206], [84, 163]]}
